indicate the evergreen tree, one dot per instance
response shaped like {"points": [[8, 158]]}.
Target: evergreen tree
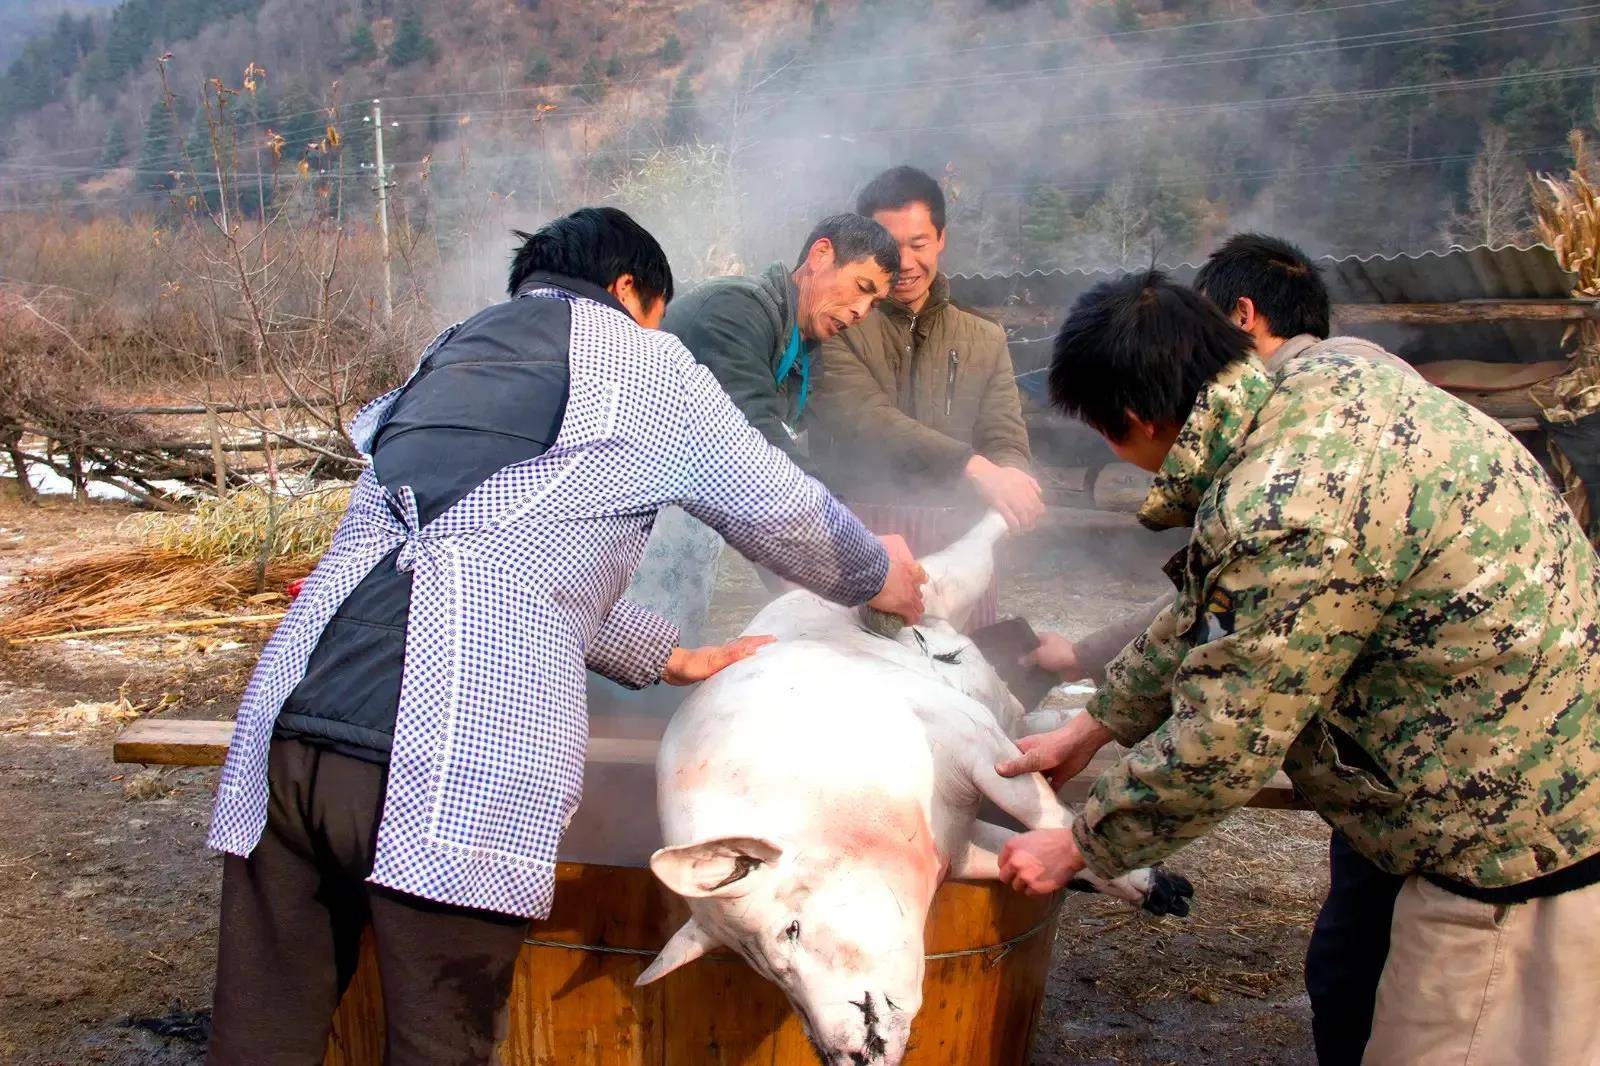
{"points": [[538, 69], [157, 157], [682, 121], [591, 87], [115, 148], [672, 50], [411, 42], [1045, 226], [362, 48]]}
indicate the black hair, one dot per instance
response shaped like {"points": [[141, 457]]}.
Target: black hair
{"points": [[1140, 343], [597, 245], [855, 237], [1273, 274], [899, 186]]}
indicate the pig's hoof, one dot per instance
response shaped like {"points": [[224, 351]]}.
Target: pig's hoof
{"points": [[1169, 893]]}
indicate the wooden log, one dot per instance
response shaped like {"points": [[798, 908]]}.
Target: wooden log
{"points": [[1470, 311]]}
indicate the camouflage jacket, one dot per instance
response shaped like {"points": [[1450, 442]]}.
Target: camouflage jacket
{"points": [[1384, 596]]}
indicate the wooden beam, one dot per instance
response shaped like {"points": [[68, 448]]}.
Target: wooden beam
{"points": [[1465, 311], [185, 742], [179, 742]]}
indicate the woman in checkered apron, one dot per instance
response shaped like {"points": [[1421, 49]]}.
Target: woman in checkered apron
{"points": [[410, 747]]}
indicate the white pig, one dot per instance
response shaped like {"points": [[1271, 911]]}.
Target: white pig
{"points": [[814, 796]]}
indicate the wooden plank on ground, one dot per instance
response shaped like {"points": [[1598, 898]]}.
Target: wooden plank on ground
{"points": [[178, 742], [182, 742]]}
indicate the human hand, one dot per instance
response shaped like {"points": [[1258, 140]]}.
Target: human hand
{"points": [[1060, 754], [1058, 655], [1040, 862], [901, 594], [1012, 492], [685, 666]]}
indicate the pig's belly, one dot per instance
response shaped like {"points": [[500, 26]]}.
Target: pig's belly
{"points": [[796, 740]]}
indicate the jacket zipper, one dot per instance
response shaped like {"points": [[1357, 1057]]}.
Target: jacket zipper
{"points": [[950, 381]]}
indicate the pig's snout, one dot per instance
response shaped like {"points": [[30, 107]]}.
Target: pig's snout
{"points": [[871, 1031]]}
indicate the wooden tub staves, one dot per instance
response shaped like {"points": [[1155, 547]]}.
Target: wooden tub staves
{"points": [[989, 956]]}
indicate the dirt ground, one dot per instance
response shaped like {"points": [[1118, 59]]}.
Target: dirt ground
{"points": [[108, 899]]}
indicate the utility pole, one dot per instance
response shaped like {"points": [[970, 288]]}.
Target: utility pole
{"points": [[383, 206]]}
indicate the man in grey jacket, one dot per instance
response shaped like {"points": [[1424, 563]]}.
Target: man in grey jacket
{"points": [[757, 333]]}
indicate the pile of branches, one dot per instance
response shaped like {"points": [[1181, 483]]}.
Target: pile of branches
{"points": [[50, 417]]}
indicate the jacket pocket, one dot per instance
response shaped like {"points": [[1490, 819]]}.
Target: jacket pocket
{"points": [[1324, 763]]}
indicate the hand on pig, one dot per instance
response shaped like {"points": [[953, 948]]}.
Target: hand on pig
{"points": [[901, 594], [1041, 861], [1060, 754], [685, 666]]}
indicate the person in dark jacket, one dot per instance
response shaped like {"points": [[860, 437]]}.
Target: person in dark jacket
{"points": [[757, 333]]}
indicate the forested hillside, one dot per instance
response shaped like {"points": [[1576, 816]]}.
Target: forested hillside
{"points": [[1070, 133]]}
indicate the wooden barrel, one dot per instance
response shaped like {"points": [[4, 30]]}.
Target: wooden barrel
{"points": [[989, 956]]}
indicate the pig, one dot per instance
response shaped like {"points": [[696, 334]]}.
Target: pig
{"points": [[814, 796]]}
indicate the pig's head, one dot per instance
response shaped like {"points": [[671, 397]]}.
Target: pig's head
{"points": [[843, 939]]}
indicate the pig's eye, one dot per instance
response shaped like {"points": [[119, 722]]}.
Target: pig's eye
{"points": [[792, 933]]}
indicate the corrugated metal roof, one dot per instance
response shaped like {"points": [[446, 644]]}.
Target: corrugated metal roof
{"points": [[1483, 273]]}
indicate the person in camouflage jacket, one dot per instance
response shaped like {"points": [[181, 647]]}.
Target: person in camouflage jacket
{"points": [[1384, 597]]}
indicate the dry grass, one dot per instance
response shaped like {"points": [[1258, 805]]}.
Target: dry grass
{"points": [[234, 528], [132, 585], [1259, 879]]}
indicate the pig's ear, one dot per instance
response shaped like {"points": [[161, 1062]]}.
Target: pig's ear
{"points": [[713, 867], [687, 944]]}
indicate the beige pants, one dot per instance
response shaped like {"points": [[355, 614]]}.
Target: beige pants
{"points": [[1473, 984]]}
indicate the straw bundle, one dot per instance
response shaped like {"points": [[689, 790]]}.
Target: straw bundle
{"points": [[128, 586], [1569, 217], [239, 526]]}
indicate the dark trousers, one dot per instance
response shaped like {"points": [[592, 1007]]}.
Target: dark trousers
{"points": [[1345, 958], [292, 918]]}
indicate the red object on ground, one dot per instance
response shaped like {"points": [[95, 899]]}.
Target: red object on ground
{"points": [[295, 586]]}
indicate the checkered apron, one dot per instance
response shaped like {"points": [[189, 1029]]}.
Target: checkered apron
{"points": [[514, 588]]}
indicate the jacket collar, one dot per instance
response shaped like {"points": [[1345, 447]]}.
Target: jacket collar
{"points": [[1290, 348], [1224, 414], [938, 299], [778, 280], [587, 289]]}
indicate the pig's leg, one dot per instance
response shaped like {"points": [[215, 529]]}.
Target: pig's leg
{"points": [[959, 575], [1029, 800], [981, 862]]}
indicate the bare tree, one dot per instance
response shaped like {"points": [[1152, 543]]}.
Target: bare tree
{"points": [[1119, 228], [1496, 211]]}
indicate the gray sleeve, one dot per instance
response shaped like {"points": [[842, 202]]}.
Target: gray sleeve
{"points": [[1096, 650]]}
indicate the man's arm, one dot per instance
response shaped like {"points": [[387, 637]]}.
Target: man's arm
{"points": [[850, 405], [1287, 615], [766, 507], [1000, 433], [1092, 655], [1136, 694], [732, 336], [632, 645]]}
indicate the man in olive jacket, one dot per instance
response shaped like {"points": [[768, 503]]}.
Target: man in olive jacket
{"points": [[920, 400]]}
